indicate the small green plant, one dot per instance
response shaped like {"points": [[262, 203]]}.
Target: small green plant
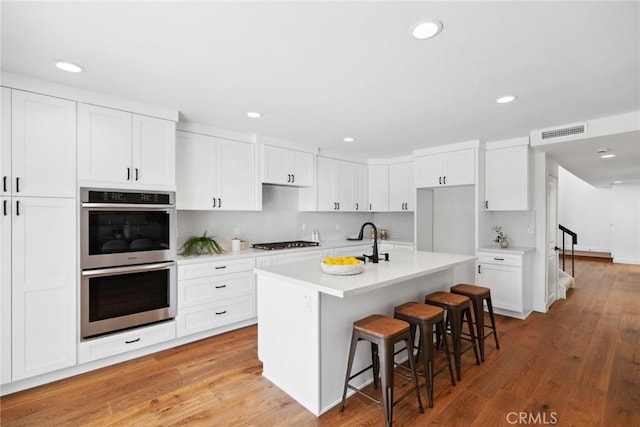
{"points": [[201, 245]]}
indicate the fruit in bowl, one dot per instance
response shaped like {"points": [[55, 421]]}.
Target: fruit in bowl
{"points": [[342, 266]]}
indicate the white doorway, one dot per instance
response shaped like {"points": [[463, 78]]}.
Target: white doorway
{"points": [[552, 236]]}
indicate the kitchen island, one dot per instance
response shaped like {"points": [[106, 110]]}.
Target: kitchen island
{"points": [[305, 317]]}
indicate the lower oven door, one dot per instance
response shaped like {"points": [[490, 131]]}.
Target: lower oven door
{"points": [[113, 299]]}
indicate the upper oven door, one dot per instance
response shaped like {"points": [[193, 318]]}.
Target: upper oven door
{"points": [[116, 234]]}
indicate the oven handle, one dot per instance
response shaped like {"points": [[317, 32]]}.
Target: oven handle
{"points": [[126, 206], [128, 269]]}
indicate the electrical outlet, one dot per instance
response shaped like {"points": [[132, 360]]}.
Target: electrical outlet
{"points": [[236, 231], [530, 229], [307, 304]]}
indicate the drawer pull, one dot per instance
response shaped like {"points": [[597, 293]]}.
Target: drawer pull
{"points": [[132, 341], [221, 286], [499, 259], [220, 312], [220, 267]]}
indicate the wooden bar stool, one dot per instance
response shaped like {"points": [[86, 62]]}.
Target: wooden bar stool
{"points": [[383, 333], [477, 295], [458, 307], [425, 317]]}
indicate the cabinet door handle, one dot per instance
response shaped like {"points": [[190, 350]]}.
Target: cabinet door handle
{"points": [[370, 208], [132, 341], [499, 259], [220, 267], [288, 177], [219, 202], [357, 206], [128, 174], [293, 177], [479, 269], [444, 180], [486, 204], [214, 201], [338, 205], [4, 207], [17, 207], [221, 286], [4, 184], [440, 180], [136, 174], [17, 184], [218, 313]]}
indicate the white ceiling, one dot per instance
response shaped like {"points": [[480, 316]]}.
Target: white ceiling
{"points": [[321, 71]]}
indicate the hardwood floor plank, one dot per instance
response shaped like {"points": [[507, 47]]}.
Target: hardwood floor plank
{"points": [[580, 361]]}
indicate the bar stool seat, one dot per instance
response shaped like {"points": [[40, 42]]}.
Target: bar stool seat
{"points": [[458, 309], [478, 295], [425, 317], [383, 333]]}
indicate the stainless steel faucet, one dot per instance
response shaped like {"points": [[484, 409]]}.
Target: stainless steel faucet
{"points": [[374, 258]]}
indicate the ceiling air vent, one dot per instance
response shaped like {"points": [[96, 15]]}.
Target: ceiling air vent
{"points": [[559, 133]]}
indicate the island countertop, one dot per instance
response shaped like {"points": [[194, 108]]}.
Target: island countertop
{"points": [[403, 265]]}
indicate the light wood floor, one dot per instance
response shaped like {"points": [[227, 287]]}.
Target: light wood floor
{"points": [[578, 365]]}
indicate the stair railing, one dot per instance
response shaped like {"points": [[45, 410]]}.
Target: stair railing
{"points": [[574, 241]]}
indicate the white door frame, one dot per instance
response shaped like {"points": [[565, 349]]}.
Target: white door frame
{"points": [[551, 240]]}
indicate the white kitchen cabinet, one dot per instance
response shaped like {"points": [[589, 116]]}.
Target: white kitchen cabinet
{"points": [[401, 187], [215, 294], [215, 173], [504, 274], [5, 289], [43, 292], [119, 147], [37, 153], [508, 178], [287, 167], [341, 185], [445, 169], [378, 188], [122, 342]]}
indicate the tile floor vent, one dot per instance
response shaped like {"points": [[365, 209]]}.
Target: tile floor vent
{"points": [[562, 132]]}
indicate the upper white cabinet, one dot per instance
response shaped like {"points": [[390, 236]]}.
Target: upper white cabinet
{"points": [[37, 155], [287, 167], [401, 187], [508, 172], [341, 185], [445, 169], [118, 147], [378, 188], [215, 173]]}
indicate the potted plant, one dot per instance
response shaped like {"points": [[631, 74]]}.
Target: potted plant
{"points": [[501, 237], [201, 245]]}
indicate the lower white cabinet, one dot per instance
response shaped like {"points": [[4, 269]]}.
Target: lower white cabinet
{"points": [[215, 294], [114, 344], [504, 274], [43, 280]]}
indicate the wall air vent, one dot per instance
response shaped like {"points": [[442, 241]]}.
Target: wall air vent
{"points": [[562, 132]]}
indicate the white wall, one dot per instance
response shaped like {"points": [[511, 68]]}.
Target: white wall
{"points": [[280, 220], [625, 236], [587, 210]]}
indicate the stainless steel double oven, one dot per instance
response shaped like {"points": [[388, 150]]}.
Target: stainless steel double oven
{"points": [[128, 259]]}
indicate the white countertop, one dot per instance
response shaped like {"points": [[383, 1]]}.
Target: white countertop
{"points": [[252, 253], [519, 250], [403, 265]]}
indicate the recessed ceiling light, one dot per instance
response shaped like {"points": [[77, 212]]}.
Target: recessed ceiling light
{"points": [[254, 114], [426, 29], [617, 182], [349, 139], [506, 99], [607, 156], [69, 66]]}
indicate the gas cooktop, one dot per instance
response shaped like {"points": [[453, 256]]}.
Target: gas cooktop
{"points": [[284, 245]]}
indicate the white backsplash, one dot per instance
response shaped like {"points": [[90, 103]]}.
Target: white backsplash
{"points": [[515, 224], [280, 220]]}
